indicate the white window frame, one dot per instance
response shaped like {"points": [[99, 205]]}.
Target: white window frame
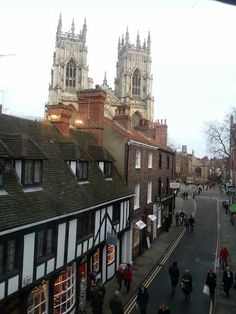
{"points": [[136, 196], [111, 253], [138, 159], [38, 299], [149, 160], [149, 192]]}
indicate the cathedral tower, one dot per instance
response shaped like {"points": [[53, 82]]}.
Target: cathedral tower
{"points": [[133, 83], [70, 70]]}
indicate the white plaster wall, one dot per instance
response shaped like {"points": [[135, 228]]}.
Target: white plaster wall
{"points": [[28, 256], [61, 245], [72, 240]]}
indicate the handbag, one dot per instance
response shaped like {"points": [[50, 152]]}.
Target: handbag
{"points": [[206, 290]]}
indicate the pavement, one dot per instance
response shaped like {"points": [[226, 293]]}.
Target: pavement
{"points": [[151, 257]]}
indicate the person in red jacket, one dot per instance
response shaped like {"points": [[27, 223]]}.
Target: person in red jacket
{"points": [[224, 254], [128, 276]]}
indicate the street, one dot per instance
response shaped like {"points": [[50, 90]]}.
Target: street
{"points": [[196, 252]]}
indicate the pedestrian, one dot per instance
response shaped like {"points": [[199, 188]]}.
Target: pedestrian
{"points": [[186, 284], [211, 283], [227, 280], [100, 288], [191, 222], [163, 309], [119, 276], [142, 299], [167, 223], [174, 276], [181, 215], [186, 222], [224, 254], [115, 304], [97, 303], [177, 218], [128, 276]]}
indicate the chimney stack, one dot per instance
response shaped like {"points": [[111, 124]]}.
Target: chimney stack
{"points": [[60, 115]]}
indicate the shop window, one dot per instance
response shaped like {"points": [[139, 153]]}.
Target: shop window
{"points": [[96, 261], [37, 300], [111, 249], [64, 291]]}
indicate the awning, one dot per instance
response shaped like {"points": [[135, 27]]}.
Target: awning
{"points": [[232, 208], [152, 217], [140, 225]]}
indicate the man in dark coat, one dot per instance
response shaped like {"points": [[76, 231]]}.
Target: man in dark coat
{"points": [[228, 279], [142, 299], [211, 283], [174, 276], [115, 304], [186, 284]]}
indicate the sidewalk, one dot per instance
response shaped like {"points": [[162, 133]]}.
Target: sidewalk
{"points": [[227, 237], [143, 264]]}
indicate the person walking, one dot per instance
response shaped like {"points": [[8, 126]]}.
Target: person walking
{"points": [[167, 223], [97, 303], [128, 276], [191, 222], [177, 219], [163, 309], [223, 256], [186, 284], [115, 304], [119, 276], [227, 280], [174, 276], [142, 299], [211, 283], [181, 216], [186, 222]]}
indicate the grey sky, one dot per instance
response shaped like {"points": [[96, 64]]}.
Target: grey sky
{"points": [[193, 55]]}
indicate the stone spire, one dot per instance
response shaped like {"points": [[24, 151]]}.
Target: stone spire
{"points": [[138, 41], [73, 27], [144, 44], [149, 42], [59, 27], [105, 79], [127, 37], [84, 31]]}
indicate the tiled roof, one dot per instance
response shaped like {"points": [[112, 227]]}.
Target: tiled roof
{"points": [[61, 193], [99, 153]]}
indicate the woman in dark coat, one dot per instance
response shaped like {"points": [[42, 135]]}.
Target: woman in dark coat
{"points": [[186, 284], [228, 279], [142, 299], [211, 283]]}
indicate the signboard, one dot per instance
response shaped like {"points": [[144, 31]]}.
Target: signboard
{"points": [[231, 189], [111, 238], [174, 185]]}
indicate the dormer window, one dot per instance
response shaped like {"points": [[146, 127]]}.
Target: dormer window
{"points": [[106, 168], [82, 170], [32, 172]]}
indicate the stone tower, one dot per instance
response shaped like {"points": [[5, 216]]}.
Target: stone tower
{"points": [[70, 70], [133, 82]]}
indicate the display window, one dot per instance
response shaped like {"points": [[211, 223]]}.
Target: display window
{"points": [[38, 300], [64, 291], [110, 253], [96, 259]]}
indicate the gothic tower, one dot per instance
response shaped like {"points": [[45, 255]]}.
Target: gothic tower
{"points": [[133, 82], [70, 70]]}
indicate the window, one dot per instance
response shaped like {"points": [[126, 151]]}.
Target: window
{"points": [[70, 74], [32, 172], [107, 169], [86, 222], [111, 250], [45, 243], [9, 253], [149, 160], [37, 300], [64, 291], [159, 186], [116, 212], [138, 159], [160, 160], [167, 185], [82, 170], [136, 83], [149, 192], [96, 259], [136, 196], [168, 162]]}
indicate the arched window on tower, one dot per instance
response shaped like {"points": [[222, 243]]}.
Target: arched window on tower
{"points": [[136, 82], [70, 74]]}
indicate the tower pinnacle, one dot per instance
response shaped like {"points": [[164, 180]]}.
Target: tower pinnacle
{"points": [[73, 27], [59, 27], [127, 36]]}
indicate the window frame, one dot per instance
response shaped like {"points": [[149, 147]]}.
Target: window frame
{"points": [[10, 265], [150, 157], [39, 298], [84, 175], [138, 159], [111, 254], [149, 192], [24, 175], [137, 196], [116, 208], [85, 226], [70, 75], [136, 83], [167, 162], [42, 244], [160, 160]]}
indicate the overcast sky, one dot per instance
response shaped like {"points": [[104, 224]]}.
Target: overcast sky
{"points": [[193, 55]]}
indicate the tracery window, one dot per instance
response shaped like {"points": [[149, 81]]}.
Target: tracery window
{"points": [[70, 74], [136, 83]]}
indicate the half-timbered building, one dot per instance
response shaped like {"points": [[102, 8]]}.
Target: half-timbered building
{"points": [[64, 213]]}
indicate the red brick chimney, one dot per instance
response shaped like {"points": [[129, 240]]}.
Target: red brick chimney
{"points": [[91, 112], [122, 116], [60, 115], [161, 132]]}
